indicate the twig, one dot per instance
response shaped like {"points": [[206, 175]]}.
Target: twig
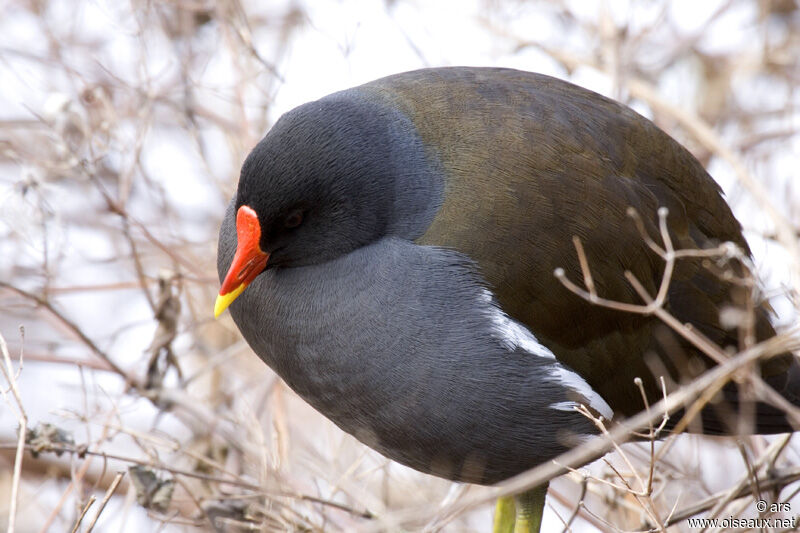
{"points": [[83, 513], [653, 433], [587, 273], [768, 482], [604, 431], [235, 481], [71, 326], [77, 478], [578, 505], [106, 497], [22, 417], [721, 500]]}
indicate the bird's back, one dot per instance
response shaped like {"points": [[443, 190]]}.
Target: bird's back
{"points": [[531, 161]]}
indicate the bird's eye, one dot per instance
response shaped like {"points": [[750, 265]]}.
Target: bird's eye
{"points": [[294, 219]]}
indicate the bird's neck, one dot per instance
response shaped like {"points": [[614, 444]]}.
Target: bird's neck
{"points": [[332, 329]]}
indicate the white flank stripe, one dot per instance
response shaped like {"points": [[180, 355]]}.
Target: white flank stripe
{"points": [[570, 379], [565, 406], [510, 332], [514, 335]]}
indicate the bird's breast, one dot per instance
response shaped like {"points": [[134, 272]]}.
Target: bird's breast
{"points": [[402, 346]]}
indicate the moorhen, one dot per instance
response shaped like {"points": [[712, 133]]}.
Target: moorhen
{"points": [[398, 243]]}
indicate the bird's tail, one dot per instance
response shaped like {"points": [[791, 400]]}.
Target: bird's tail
{"points": [[733, 414]]}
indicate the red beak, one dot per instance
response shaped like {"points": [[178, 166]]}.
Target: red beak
{"points": [[248, 262]]}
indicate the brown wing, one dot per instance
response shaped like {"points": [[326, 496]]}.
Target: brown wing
{"points": [[531, 161]]}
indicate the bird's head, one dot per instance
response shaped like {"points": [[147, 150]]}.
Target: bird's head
{"points": [[320, 184]]}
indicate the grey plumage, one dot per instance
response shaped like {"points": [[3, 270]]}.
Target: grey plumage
{"points": [[392, 343]]}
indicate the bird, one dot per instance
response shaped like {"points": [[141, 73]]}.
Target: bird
{"points": [[390, 253]]}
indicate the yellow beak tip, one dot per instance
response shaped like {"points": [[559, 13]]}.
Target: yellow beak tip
{"points": [[224, 300], [219, 306]]}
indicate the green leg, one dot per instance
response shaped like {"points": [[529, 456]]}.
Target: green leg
{"points": [[504, 515], [522, 514], [530, 508]]}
